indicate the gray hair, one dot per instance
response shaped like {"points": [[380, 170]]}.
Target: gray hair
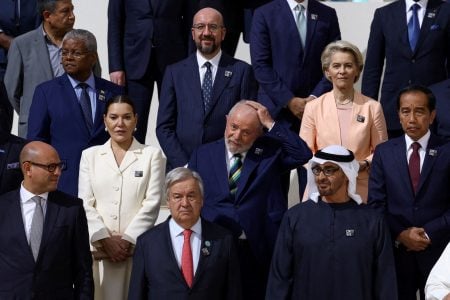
{"points": [[86, 36], [181, 174], [342, 46], [46, 5]]}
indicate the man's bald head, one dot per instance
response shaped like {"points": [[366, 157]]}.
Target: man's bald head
{"points": [[41, 167]]}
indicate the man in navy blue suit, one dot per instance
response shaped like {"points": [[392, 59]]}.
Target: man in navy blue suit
{"points": [[185, 257], [441, 124], [145, 36], [44, 240], [244, 191], [425, 61], [67, 112], [287, 65], [187, 118], [409, 181]]}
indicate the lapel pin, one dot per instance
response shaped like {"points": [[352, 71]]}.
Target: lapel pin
{"points": [[206, 250], [101, 95], [228, 73], [258, 151], [2, 151], [14, 165], [431, 15], [349, 232], [314, 17], [432, 152], [360, 118], [138, 173]]}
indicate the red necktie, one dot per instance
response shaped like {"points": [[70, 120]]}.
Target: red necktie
{"points": [[414, 166], [187, 267]]}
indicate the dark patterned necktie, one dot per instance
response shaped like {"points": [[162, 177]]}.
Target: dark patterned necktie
{"points": [[414, 27], [414, 166], [207, 87], [85, 103], [235, 173]]}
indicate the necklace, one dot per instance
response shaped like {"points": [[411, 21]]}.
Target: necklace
{"points": [[347, 101]]}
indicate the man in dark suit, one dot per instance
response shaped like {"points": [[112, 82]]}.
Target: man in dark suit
{"points": [[409, 181], [286, 62], [35, 56], [44, 241], [186, 257], [423, 60], [145, 36], [67, 112], [10, 174], [441, 124], [16, 17], [187, 117], [243, 189]]}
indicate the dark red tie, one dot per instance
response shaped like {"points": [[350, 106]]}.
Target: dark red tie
{"points": [[414, 166], [187, 267]]}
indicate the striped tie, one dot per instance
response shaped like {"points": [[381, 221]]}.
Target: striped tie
{"points": [[235, 173]]}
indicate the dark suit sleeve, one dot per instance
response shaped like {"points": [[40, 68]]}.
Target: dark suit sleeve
{"points": [[138, 282], [234, 288], [385, 286], [166, 123], [261, 56], [83, 281], [6, 110], [377, 197], [116, 24], [374, 58], [295, 152], [39, 119], [324, 85], [280, 280], [249, 85]]}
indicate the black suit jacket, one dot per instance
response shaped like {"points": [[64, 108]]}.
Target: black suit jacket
{"points": [[156, 274], [10, 173], [63, 269]]}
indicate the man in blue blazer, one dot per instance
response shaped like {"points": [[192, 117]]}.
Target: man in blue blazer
{"points": [[185, 120], [409, 181], [44, 241], [185, 257], [243, 185], [441, 124], [145, 36], [57, 115], [389, 48], [290, 73]]}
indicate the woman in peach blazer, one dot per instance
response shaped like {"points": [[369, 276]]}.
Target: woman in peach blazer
{"points": [[344, 116], [120, 183]]}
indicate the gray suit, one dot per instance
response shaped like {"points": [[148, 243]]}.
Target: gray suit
{"points": [[28, 66]]}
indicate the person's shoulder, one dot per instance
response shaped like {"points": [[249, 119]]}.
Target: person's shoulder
{"points": [[111, 86], [218, 231], [321, 6], [389, 7], [28, 36], [64, 200], [154, 233]]}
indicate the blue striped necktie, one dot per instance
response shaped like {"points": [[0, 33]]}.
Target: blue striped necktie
{"points": [[414, 27], [235, 173]]}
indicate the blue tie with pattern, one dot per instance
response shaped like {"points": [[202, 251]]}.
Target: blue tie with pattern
{"points": [[85, 103], [414, 27], [207, 86]]}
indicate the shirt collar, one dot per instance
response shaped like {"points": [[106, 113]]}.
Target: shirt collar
{"points": [[90, 81], [423, 141], [178, 230], [409, 3], [26, 195], [293, 4], [214, 61]]}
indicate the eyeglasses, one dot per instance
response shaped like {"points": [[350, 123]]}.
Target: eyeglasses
{"points": [[50, 167], [74, 54], [327, 171], [211, 27]]}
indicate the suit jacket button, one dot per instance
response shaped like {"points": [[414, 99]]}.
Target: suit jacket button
{"points": [[236, 206], [413, 61]]}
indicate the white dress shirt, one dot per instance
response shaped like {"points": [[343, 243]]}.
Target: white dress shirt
{"points": [[293, 5], [420, 12], [438, 283], [214, 65], [423, 141], [177, 238], [28, 206]]}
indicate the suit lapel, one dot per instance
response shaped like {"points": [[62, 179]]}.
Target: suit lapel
{"points": [[252, 160], [172, 259], [429, 17], [42, 53], [431, 155], [292, 30], [207, 251], [108, 156], [219, 166], [190, 73], [400, 160], [222, 79], [130, 156], [400, 24], [51, 215], [311, 21], [73, 102], [102, 95]]}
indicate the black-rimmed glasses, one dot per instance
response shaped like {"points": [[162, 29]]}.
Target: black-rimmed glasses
{"points": [[50, 167], [327, 171]]}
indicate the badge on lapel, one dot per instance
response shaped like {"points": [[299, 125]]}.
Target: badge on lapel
{"points": [[350, 232], [101, 95], [360, 118], [13, 166], [432, 152], [258, 151], [138, 173], [228, 73], [206, 250]]}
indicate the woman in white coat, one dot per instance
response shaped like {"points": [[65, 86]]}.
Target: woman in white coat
{"points": [[438, 283], [120, 183]]}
